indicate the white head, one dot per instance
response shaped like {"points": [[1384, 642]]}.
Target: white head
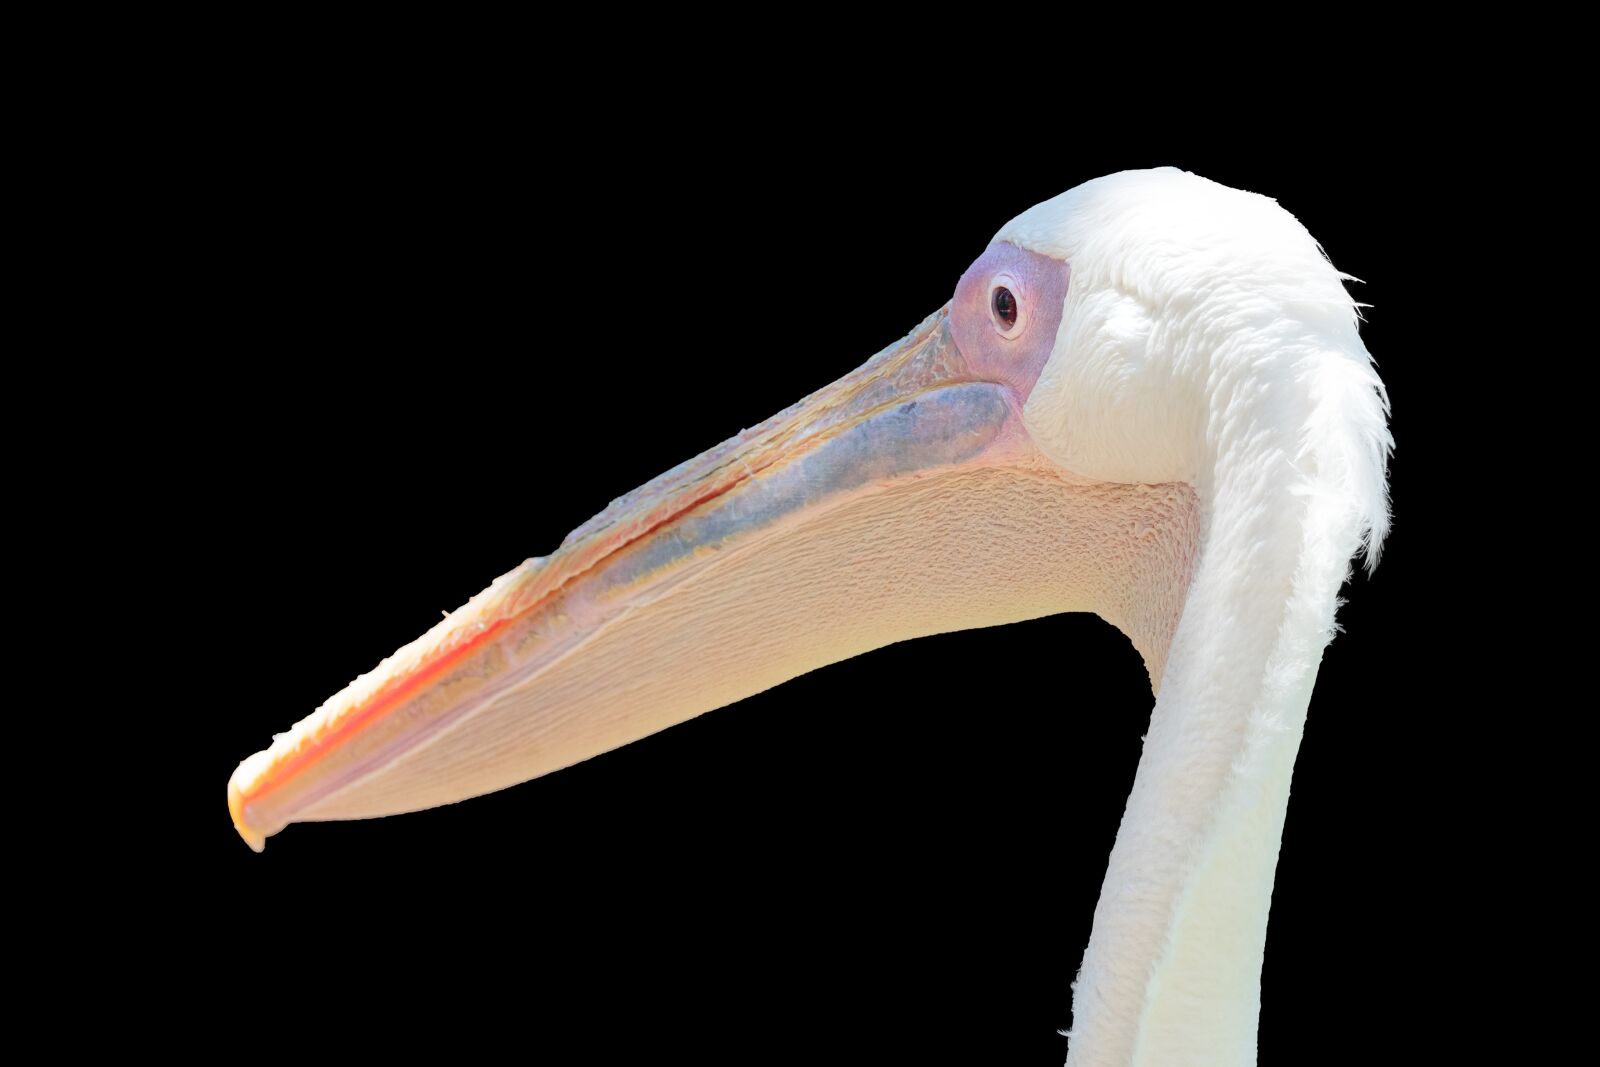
{"points": [[1204, 329]]}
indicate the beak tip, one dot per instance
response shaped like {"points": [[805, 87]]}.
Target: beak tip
{"points": [[236, 808]]}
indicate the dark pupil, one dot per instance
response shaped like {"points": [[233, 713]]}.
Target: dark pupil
{"points": [[1005, 307]]}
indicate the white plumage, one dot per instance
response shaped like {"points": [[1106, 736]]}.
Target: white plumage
{"points": [[1208, 340]]}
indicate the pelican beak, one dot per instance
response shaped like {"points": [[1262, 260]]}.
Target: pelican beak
{"points": [[905, 499]]}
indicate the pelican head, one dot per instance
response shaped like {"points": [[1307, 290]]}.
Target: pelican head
{"points": [[1147, 399]]}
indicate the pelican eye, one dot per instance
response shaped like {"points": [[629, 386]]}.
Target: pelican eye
{"points": [[1005, 307]]}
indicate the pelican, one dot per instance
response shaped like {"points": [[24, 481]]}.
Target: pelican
{"points": [[1148, 399]]}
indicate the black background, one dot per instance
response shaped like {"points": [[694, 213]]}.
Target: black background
{"points": [[443, 321]]}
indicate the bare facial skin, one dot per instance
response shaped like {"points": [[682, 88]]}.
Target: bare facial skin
{"points": [[1013, 356]]}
